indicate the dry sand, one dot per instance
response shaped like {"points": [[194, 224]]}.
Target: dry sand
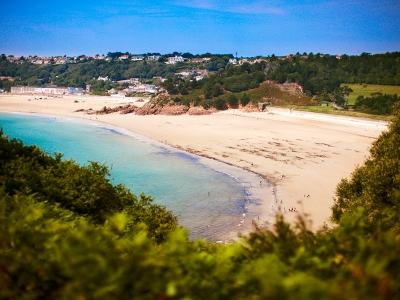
{"points": [[303, 154]]}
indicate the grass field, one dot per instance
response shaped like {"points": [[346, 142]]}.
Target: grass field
{"points": [[368, 89], [333, 111]]}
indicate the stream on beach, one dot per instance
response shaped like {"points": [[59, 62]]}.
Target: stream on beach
{"points": [[210, 203]]}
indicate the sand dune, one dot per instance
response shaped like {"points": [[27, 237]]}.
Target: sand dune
{"points": [[304, 154]]}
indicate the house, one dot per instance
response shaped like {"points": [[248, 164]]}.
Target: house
{"points": [[123, 57], [243, 61], [184, 74], [199, 60], [199, 77], [40, 60], [137, 58], [144, 88], [153, 57], [100, 78], [174, 59], [14, 59], [233, 61], [59, 60], [130, 81]]}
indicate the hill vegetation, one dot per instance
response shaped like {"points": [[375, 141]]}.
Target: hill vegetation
{"points": [[67, 233], [318, 75], [339, 81]]}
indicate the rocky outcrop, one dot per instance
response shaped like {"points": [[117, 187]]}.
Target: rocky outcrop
{"points": [[156, 109], [122, 109], [199, 110], [150, 108], [128, 109], [173, 110]]}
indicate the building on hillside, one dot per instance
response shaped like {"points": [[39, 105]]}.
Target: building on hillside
{"points": [[130, 81], [144, 88], [153, 57], [233, 61], [137, 58], [55, 91], [15, 59], [243, 61], [198, 77], [40, 60], [174, 60], [105, 78], [257, 60], [123, 57], [199, 60], [184, 74]]}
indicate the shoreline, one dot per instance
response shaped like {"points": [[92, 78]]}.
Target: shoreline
{"points": [[302, 155], [256, 187]]}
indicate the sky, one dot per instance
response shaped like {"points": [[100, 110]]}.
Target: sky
{"points": [[250, 28]]}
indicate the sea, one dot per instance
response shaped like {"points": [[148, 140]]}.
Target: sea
{"points": [[207, 200]]}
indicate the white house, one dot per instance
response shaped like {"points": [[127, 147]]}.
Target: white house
{"points": [[174, 59], [199, 77], [137, 58], [233, 61], [100, 78], [153, 57], [130, 81]]}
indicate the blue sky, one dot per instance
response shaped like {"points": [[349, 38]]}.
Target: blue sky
{"points": [[253, 27]]}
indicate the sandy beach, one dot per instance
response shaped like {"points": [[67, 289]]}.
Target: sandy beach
{"points": [[304, 155]]}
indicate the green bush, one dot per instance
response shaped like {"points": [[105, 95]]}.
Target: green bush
{"points": [[85, 191], [377, 104], [244, 100], [233, 101], [220, 104]]}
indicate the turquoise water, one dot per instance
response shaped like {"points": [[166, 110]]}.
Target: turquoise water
{"points": [[207, 202]]}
